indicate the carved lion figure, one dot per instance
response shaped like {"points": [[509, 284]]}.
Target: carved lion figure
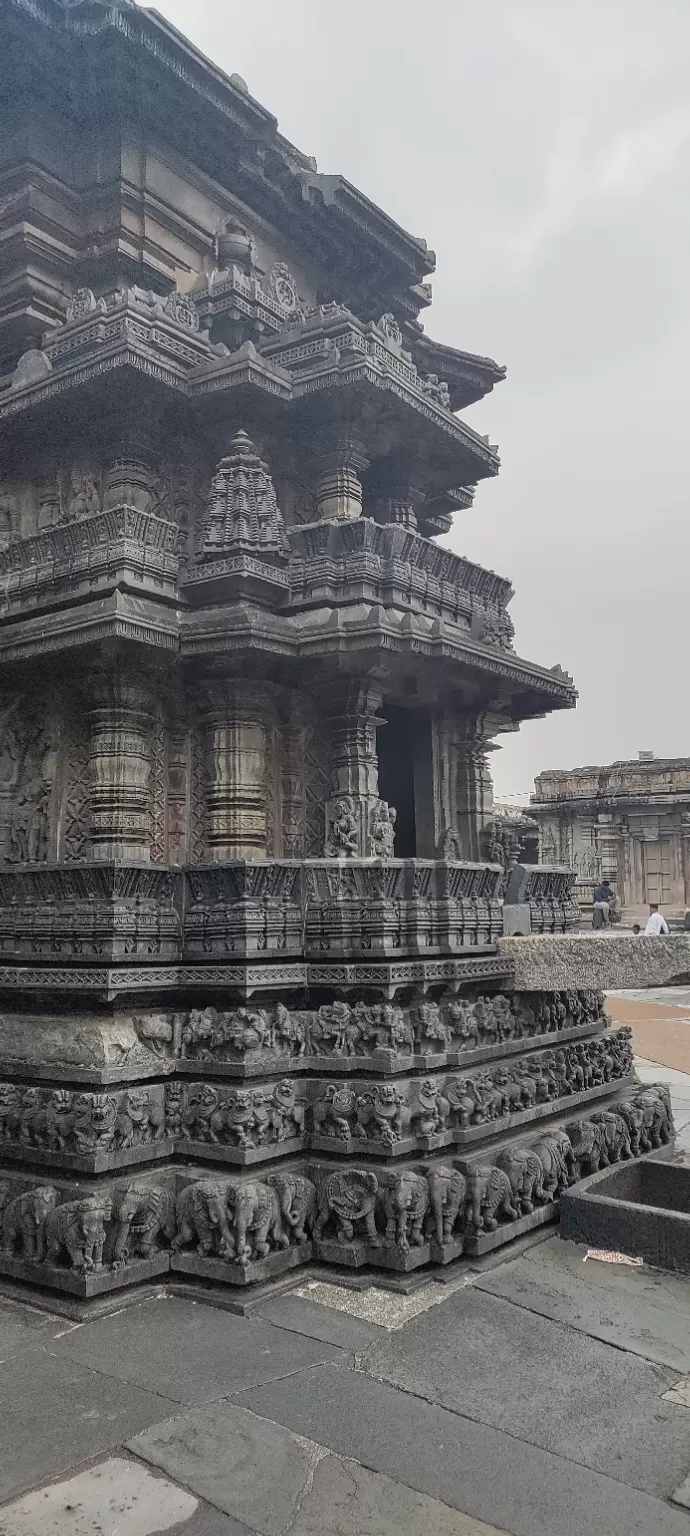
{"points": [[380, 1114], [330, 1113]]}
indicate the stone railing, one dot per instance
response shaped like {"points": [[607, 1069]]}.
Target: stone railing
{"points": [[330, 561], [84, 557], [539, 899]]}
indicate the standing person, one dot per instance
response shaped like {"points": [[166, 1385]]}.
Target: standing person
{"points": [[656, 924], [603, 896]]}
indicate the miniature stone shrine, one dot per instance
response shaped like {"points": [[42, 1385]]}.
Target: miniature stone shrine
{"points": [[252, 1005]]}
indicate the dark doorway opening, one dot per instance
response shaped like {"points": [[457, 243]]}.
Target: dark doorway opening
{"points": [[396, 746]]}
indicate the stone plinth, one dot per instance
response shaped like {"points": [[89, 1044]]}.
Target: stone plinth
{"points": [[608, 962]]}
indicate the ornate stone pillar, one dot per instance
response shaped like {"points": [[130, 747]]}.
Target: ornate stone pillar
{"points": [[339, 459], [462, 784], [396, 498], [130, 478], [293, 751], [237, 714], [358, 823], [120, 757]]}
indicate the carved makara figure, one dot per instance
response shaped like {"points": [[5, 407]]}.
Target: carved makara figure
{"points": [[144, 1214], [201, 1215], [405, 1204], [447, 1196], [77, 1228], [256, 1218], [24, 1220], [297, 1202], [331, 1113], [489, 1196], [525, 1174], [350, 1197]]}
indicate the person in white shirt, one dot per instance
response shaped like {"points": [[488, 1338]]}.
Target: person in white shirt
{"points": [[656, 924]]}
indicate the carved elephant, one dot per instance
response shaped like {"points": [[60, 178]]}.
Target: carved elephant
{"points": [[559, 1168], [489, 1196], [350, 1196], [297, 1202], [24, 1219], [657, 1124], [616, 1134], [256, 1213], [588, 1141], [447, 1197], [144, 1213], [201, 1215], [405, 1204], [633, 1118], [78, 1228], [525, 1175]]}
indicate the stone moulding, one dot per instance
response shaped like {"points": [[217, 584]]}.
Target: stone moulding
{"points": [[88, 1237], [101, 911], [120, 547]]}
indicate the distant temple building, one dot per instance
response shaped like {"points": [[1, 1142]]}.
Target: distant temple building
{"points": [[628, 823]]}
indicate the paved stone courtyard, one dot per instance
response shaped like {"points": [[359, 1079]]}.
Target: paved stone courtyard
{"points": [[534, 1394]]}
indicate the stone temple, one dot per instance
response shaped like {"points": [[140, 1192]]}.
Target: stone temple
{"points": [[252, 1006]]}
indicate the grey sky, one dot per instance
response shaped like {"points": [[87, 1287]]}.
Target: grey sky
{"points": [[542, 147]]}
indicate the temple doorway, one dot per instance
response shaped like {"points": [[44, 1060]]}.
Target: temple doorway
{"points": [[657, 872], [396, 748]]}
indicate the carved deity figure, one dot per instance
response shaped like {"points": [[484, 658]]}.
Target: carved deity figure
{"points": [[382, 830], [83, 497], [29, 827], [342, 836]]}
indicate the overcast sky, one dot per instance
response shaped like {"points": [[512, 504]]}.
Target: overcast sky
{"points": [[542, 147]]}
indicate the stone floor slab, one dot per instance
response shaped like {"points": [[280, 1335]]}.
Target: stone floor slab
{"points": [[249, 1468], [349, 1499], [190, 1352], [331, 1325], [55, 1414], [114, 1496], [629, 1319], [492, 1361], [478, 1470], [25, 1328]]}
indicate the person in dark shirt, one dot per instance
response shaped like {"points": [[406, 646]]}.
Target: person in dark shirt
{"points": [[603, 896]]}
